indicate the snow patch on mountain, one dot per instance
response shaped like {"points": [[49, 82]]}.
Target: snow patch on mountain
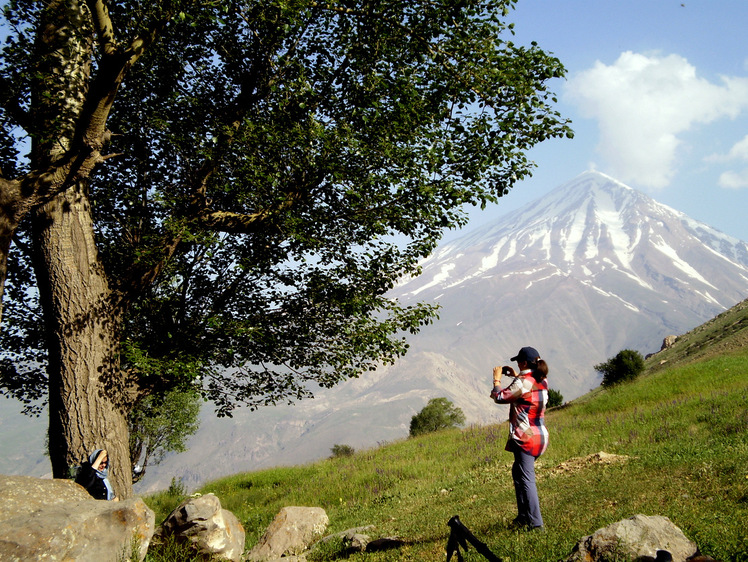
{"points": [[442, 275], [612, 295], [681, 264]]}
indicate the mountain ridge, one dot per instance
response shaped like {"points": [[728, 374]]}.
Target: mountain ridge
{"points": [[578, 201]]}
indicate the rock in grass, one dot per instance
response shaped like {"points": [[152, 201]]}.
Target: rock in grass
{"points": [[635, 538], [44, 519], [292, 531], [210, 529]]}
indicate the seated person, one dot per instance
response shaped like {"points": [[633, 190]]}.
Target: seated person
{"points": [[93, 476]]}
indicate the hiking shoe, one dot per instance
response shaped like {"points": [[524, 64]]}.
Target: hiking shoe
{"points": [[518, 523]]}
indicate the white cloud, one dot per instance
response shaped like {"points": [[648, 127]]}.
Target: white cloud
{"points": [[734, 180], [642, 103], [739, 151]]}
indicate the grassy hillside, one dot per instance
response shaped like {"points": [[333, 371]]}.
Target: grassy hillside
{"points": [[680, 432], [724, 334]]}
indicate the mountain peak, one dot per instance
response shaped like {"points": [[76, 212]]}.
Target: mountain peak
{"points": [[591, 268], [589, 228]]}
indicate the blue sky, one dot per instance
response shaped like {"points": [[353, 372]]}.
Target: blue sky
{"points": [[657, 91]]}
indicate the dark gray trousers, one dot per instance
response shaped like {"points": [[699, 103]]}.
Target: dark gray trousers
{"points": [[523, 474]]}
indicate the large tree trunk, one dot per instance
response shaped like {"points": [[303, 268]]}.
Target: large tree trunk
{"points": [[61, 85], [87, 390], [87, 394]]}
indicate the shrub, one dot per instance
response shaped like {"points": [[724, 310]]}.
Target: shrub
{"points": [[341, 451], [625, 366], [555, 398], [177, 489], [438, 414]]}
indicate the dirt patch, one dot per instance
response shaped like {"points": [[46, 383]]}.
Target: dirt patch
{"points": [[580, 463]]}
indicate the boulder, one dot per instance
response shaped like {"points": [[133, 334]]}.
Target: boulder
{"points": [[668, 342], [211, 530], [348, 533], [292, 531], [58, 520], [638, 537]]}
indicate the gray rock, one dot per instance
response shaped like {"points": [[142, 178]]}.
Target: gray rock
{"points": [[292, 531], [668, 342], [359, 542], [348, 533], [636, 537], [210, 529], [58, 520]]}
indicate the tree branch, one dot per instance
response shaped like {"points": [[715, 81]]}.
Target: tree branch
{"points": [[103, 26], [234, 223]]}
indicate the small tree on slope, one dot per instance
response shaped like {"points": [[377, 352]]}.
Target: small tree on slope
{"points": [[438, 414], [626, 365]]}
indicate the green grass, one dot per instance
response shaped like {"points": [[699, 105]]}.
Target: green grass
{"points": [[684, 430]]}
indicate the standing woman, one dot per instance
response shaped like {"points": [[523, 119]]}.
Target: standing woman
{"points": [[527, 395]]}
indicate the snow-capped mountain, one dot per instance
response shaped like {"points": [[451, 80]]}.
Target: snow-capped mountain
{"points": [[591, 268], [595, 229], [585, 271]]}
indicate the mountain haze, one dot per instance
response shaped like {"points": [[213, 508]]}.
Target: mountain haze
{"points": [[589, 269]]}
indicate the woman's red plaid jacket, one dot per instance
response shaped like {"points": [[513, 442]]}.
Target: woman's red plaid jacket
{"points": [[527, 399]]}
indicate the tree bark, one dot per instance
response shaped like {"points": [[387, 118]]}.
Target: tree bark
{"points": [[87, 390], [64, 101]]}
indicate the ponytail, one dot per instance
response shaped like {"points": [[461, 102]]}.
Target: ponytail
{"points": [[539, 370]]}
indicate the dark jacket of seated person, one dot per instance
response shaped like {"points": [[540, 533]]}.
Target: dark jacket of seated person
{"points": [[93, 476]]}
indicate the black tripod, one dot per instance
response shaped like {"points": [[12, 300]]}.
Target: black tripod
{"points": [[460, 536]]}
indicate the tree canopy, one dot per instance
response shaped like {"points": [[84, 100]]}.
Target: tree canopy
{"points": [[555, 398], [626, 365], [235, 186], [439, 413], [159, 425]]}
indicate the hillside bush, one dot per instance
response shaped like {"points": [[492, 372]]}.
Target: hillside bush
{"points": [[341, 451], [625, 366], [438, 414], [555, 398]]}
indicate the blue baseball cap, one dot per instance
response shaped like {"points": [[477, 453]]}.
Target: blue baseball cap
{"points": [[527, 354]]}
